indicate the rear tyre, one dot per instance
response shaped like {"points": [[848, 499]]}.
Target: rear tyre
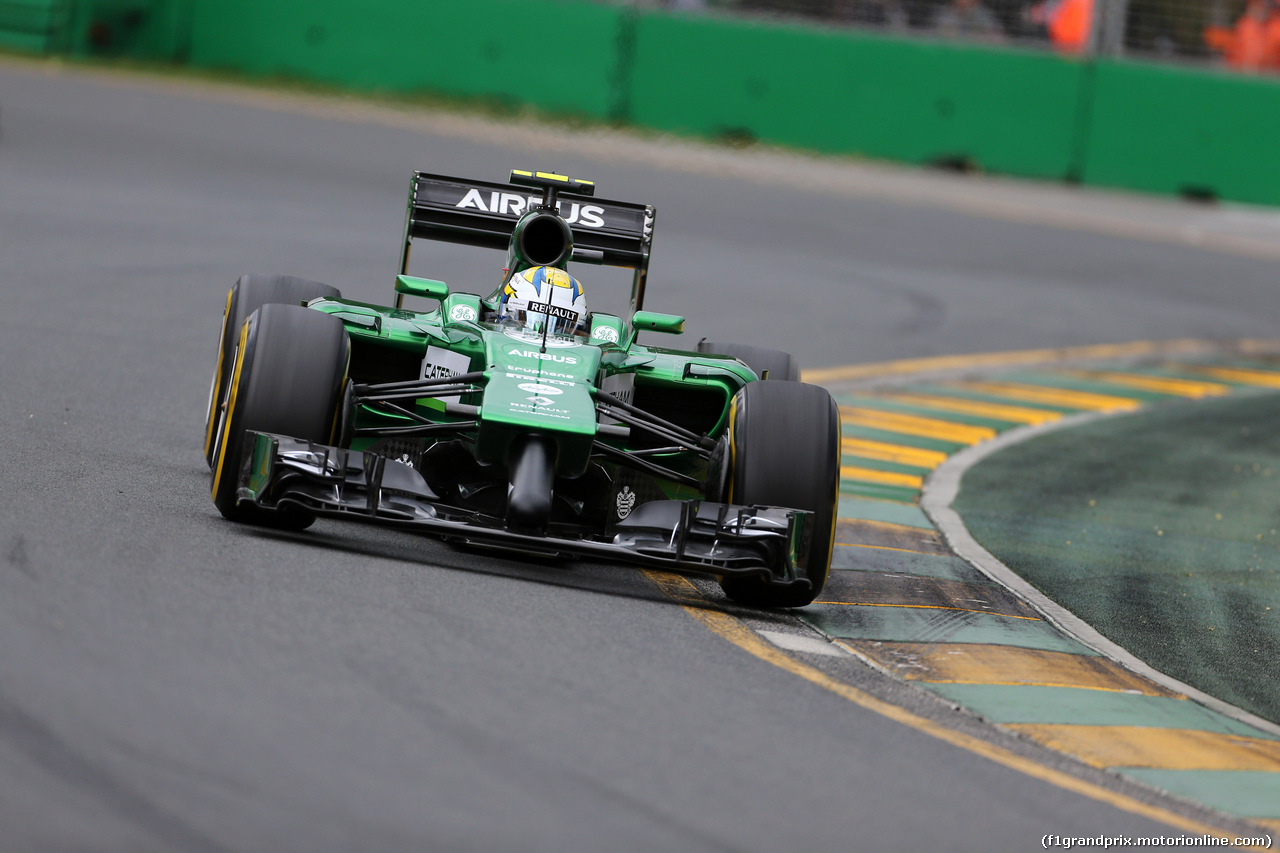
{"points": [[248, 294], [288, 378], [766, 363], [784, 440]]}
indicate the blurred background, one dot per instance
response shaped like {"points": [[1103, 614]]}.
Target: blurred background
{"points": [[1170, 30], [1165, 96]]}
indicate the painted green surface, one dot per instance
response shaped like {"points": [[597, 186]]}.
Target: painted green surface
{"points": [[851, 558], [1168, 129], [880, 465], [1173, 370], [559, 55], [936, 625], [921, 411], [853, 431], [878, 491], [1031, 703], [1052, 381], [850, 92], [878, 510], [1160, 529], [978, 397], [1252, 793]]}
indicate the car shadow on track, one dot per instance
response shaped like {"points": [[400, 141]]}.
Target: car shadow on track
{"points": [[617, 581]]}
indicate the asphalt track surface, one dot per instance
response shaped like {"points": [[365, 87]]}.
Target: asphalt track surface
{"points": [[169, 681]]}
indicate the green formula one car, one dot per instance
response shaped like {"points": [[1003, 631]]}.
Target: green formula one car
{"points": [[519, 419]]}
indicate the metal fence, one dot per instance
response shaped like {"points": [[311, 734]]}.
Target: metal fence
{"points": [[1243, 35]]}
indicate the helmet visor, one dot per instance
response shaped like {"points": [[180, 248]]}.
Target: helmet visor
{"points": [[541, 318]]}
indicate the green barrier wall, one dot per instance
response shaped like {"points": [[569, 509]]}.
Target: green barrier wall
{"points": [[140, 29], [559, 56], [1176, 130], [849, 92], [37, 26], [1149, 127]]}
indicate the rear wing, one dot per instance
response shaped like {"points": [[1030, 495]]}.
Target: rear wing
{"points": [[484, 214]]}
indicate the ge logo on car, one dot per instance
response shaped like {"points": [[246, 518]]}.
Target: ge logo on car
{"points": [[462, 314]]}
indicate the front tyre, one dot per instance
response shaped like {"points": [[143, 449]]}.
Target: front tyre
{"points": [[288, 378], [784, 444], [248, 294]]}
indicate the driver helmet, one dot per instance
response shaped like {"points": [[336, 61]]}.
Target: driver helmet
{"points": [[544, 300]]}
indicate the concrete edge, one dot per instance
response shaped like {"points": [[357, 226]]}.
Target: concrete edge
{"points": [[940, 491]]}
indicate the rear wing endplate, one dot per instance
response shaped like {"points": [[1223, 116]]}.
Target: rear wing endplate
{"points": [[484, 214]]}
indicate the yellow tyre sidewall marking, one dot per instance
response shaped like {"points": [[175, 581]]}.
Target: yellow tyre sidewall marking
{"points": [[231, 408], [835, 498], [733, 446], [212, 423], [342, 397]]}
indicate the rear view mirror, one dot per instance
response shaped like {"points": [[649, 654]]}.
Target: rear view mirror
{"points": [[425, 287], [652, 321]]}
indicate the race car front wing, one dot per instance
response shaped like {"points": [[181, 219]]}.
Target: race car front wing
{"points": [[683, 536]]}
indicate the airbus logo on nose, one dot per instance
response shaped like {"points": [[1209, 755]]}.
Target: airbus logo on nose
{"points": [[543, 356]]}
